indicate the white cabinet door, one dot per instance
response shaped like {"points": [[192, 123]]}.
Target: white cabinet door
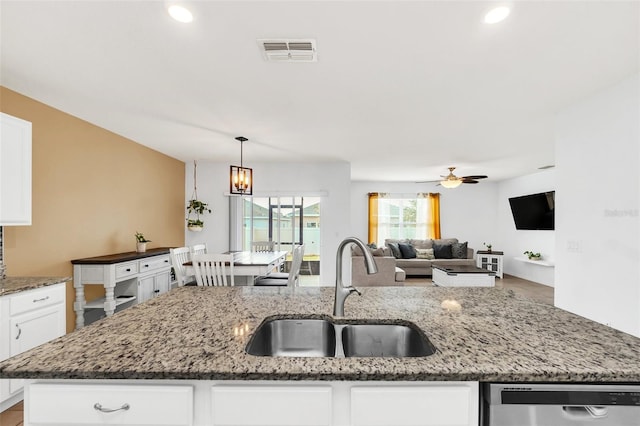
{"points": [[15, 171], [162, 283], [427, 405], [35, 328], [271, 405], [146, 288]]}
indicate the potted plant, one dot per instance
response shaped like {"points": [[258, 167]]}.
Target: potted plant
{"points": [[196, 207], [141, 242], [488, 246], [533, 256]]}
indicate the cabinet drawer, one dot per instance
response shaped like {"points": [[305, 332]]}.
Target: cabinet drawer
{"points": [[271, 405], [126, 269], [437, 405], [153, 263], [38, 298], [60, 404]]}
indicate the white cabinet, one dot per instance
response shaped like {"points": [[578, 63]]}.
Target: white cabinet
{"points": [[127, 278], [252, 403], [107, 404], [491, 261], [15, 171], [439, 404], [28, 319], [271, 405]]}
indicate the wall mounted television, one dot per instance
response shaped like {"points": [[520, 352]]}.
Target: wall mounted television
{"points": [[534, 211]]}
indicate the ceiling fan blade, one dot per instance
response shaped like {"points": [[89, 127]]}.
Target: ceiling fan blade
{"points": [[428, 181], [475, 177], [469, 181]]}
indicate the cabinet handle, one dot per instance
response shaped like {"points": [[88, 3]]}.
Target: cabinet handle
{"points": [[19, 331], [156, 291], [40, 300], [128, 269], [98, 407], [146, 266]]}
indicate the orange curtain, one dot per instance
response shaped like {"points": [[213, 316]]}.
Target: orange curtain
{"points": [[434, 216], [373, 217]]}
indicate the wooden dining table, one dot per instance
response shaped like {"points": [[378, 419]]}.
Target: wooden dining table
{"points": [[249, 264]]}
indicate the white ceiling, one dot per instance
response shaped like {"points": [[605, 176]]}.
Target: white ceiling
{"points": [[401, 90]]}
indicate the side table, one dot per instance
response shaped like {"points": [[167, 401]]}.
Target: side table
{"points": [[491, 260]]}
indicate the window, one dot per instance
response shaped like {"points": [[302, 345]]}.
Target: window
{"points": [[402, 216]]}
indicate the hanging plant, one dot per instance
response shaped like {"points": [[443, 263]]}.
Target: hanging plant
{"points": [[195, 206]]}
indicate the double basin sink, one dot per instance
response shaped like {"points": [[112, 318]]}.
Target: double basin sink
{"points": [[313, 337]]}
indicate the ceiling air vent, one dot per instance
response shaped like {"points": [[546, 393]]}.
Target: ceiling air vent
{"points": [[303, 50]]}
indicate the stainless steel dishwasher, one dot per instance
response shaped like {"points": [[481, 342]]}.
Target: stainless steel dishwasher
{"points": [[560, 405]]}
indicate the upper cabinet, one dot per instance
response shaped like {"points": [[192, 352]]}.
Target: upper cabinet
{"points": [[15, 171]]}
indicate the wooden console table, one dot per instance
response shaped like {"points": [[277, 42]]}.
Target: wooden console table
{"points": [[127, 278]]}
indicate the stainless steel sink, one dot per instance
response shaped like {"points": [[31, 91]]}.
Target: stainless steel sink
{"points": [[385, 340], [294, 337], [310, 337]]}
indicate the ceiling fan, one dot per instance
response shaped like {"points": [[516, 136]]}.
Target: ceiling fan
{"points": [[453, 181]]}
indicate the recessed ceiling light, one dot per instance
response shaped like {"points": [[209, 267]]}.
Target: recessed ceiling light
{"points": [[496, 15], [180, 14]]}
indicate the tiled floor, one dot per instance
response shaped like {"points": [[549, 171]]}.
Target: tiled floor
{"points": [[542, 293], [12, 416]]}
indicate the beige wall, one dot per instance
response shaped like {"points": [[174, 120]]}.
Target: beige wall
{"points": [[92, 190]]}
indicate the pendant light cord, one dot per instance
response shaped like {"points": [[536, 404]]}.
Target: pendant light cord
{"points": [[194, 196]]}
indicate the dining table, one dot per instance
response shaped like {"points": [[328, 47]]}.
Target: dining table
{"points": [[248, 265]]}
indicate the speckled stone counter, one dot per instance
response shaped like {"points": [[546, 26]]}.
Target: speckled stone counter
{"points": [[201, 333], [10, 285]]}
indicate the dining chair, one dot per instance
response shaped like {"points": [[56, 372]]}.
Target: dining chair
{"points": [[213, 269], [278, 279], [179, 256], [262, 246], [199, 249]]}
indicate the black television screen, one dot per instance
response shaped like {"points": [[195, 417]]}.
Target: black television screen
{"points": [[534, 212]]}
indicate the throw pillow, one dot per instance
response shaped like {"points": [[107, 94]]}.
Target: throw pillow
{"points": [[395, 250], [459, 250], [442, 251], [425, 254], [407, 251], [377, 252]]}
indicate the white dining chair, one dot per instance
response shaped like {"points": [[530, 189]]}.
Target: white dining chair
{"points": [[199, 249], [262, 246], [213, 269], [290, 279], [179, 256]]}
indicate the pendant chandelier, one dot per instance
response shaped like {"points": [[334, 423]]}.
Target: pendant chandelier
{"points": [[240, 177]]}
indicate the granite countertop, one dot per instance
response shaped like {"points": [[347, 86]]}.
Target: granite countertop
{"points": [[201, 333], [10, 285]]}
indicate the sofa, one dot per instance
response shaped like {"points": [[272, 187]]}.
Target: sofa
{"points": [[422, 266], [390, 264], [388, 273]]}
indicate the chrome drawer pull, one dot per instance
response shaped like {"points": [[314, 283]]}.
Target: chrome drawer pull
{"points": [[40, 300], [19, 331], [98, 407]]}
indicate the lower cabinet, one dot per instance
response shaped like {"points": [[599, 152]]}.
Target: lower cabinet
{"points": [[150, 286], [28, 319], [251, 403], [96, 404]]}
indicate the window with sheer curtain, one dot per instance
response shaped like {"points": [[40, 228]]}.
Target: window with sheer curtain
{"points": [[403, 216]]}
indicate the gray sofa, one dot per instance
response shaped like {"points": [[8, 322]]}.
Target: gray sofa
{"points": [[418, 266], [388, 273]]}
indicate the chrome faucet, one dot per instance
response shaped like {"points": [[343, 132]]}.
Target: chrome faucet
{"points": [[343, 292]]}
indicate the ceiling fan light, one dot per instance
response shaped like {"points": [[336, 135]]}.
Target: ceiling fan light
{"points": [[496, 15], [451, 183]]}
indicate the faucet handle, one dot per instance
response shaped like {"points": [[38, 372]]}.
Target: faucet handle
{"points": [[354, 290]]}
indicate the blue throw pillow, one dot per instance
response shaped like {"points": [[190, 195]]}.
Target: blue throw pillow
{"points": [[407, 251], [395, 250]]}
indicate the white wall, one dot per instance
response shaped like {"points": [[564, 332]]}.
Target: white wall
{"points": [[597, 158], [275, 179], [515, 242], [467, 213]]}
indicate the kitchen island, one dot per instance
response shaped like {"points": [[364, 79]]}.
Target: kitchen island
{"points": [[196, 336]]}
